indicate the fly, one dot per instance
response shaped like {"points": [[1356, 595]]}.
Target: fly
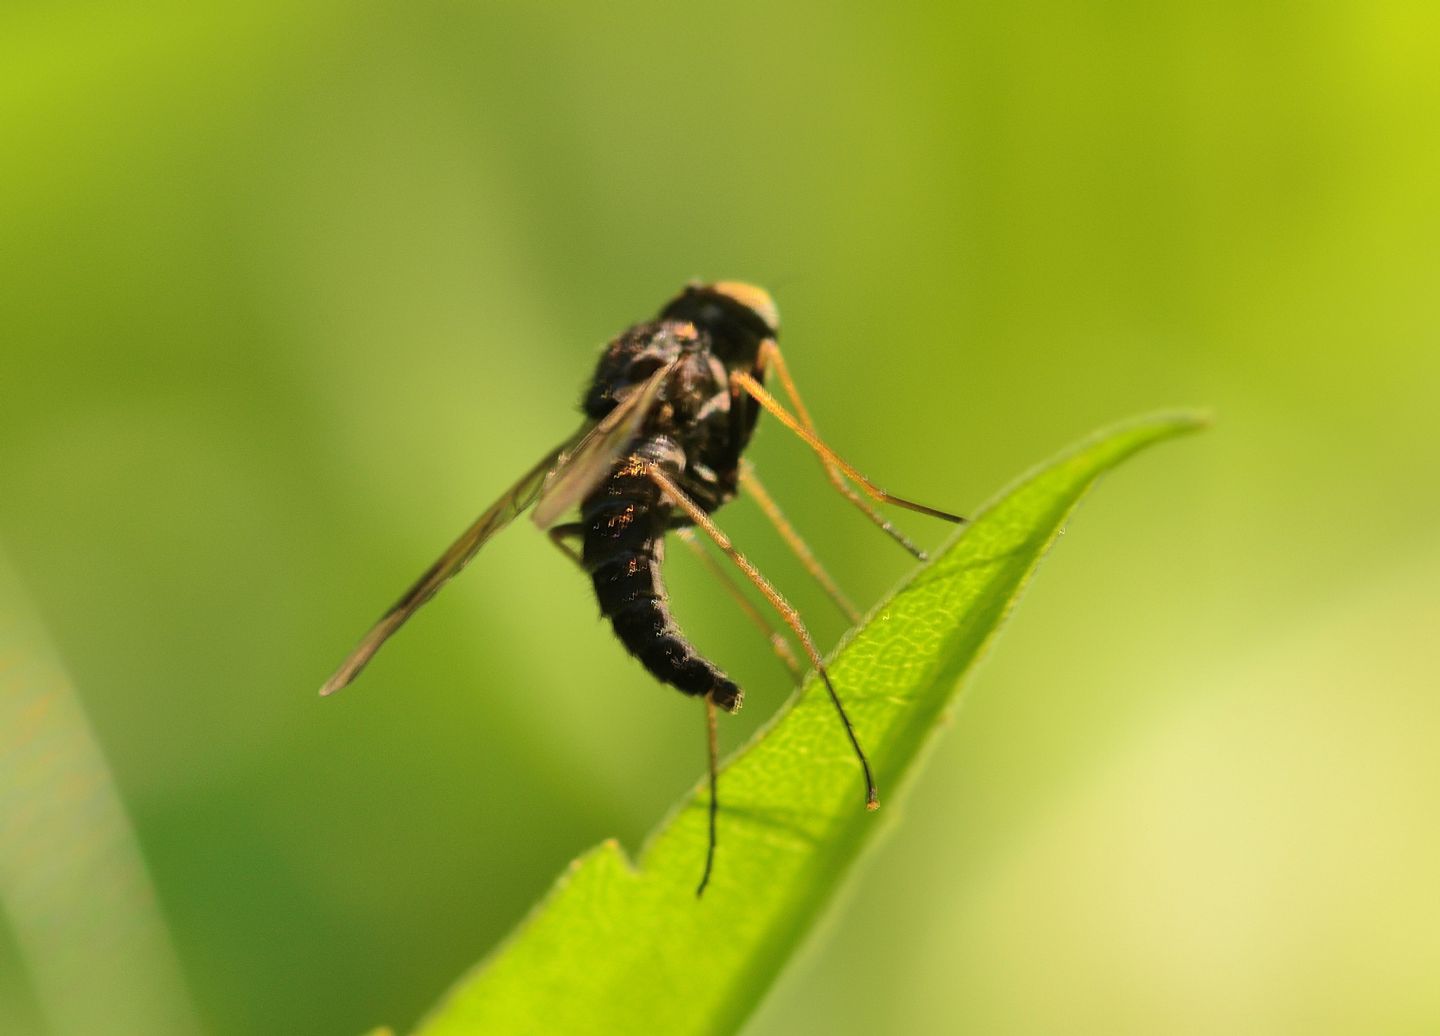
{"points": [[670, 410]]}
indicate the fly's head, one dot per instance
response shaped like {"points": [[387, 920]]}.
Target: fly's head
{"points": [[736, 317]]}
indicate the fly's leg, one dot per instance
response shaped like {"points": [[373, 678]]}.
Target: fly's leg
{"points": [[836, 468], [777, 641], [770, 354], [712, 741], [782, 650], [787, 612], [559, 534], [757, 492]]}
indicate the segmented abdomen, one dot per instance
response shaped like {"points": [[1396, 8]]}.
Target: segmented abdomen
{"points": [[625, 522]]}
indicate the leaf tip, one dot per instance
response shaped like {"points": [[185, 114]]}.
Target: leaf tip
{"points": [[610, 851], [1183, 419]]}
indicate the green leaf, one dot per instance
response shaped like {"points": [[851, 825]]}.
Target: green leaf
{"points": [[617, 948]]}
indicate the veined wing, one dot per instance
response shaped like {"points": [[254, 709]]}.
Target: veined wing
{"points": [[581, 471], [501, 513]]}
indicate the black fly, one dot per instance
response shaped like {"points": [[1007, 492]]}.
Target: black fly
{"points": [[668, 414]]}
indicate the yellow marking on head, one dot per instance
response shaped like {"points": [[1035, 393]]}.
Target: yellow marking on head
{"points": [[757, 300]]}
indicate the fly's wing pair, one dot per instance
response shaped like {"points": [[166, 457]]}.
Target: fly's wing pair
{"points": [[598, 452], [559, 481]]}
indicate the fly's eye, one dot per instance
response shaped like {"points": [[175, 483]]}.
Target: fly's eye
{"points": [[643, 367]]}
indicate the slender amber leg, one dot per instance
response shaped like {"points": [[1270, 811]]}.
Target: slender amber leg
{"points": [[750, 482], [787, 612], [776, 639], [835, 466]]}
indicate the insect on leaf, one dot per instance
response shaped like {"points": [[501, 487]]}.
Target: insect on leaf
{"points": [[627, 948]]}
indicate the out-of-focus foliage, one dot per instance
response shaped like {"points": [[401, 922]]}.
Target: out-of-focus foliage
{"points": [[72, 885], [289, 291]]}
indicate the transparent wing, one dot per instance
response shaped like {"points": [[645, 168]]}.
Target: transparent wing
{"points": [[501, 513], [596, 456]]}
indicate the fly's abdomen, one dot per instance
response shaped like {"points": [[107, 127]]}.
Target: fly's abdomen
{"points": [[625, 521]]}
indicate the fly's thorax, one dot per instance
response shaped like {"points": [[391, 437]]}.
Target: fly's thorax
{"points": [[631, 357], [697, 387], [737, 318], [696, 412]]}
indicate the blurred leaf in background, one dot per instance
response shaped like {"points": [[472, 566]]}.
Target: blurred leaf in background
{"points": [[73, 889], [291, 290]]}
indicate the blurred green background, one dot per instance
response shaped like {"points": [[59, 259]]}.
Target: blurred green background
{"points": [[289, 291]]}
